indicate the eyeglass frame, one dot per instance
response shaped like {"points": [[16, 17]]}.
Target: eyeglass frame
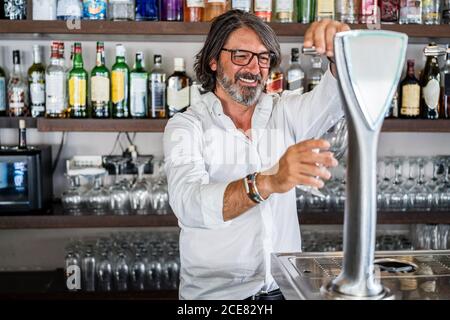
{"points": [[233, 52]]}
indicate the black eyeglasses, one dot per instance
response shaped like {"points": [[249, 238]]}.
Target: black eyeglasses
{"points": [[243, 57]]}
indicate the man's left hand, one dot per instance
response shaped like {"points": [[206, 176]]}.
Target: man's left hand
{"points": [[321, 35]]}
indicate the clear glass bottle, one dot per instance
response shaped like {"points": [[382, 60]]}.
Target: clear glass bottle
{"points": [[121, 10], [306, 11], [2, 92], [147, 10], [369, 11], [244, 5], [119, 84], [138, 88], [157, 89], [431, 85], [17, 89], [275, 82], [324, 9], [172, 10], [78, 78], [431, 11], [100, 86], [15, 9], [316, 73], [295, 75], [390, 11], [178, 88], [55, 85], [347, 11], [69, 10], [285, 11], [214, 8], [36, 81], [95, 9], [263, 9], [44, 9], [410, 12], [409, 94], [194, 10], [22, 135]]}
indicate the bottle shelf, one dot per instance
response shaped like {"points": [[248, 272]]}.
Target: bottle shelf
{"points": [[158, 125], [61, 222], [163, 28]]}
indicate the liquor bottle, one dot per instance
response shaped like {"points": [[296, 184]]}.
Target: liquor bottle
{"points": [[285, 11], [119, 84], [369, 11], [410, 12], [157, 89], [147, 10], [56, 84], [431, 11], [295, 74], [409, 94], [446, 88], [78, 78], [15, 9], [172, 10], [324, 9], [178, 88], [2, 92], [316, 72], [138, 88], [446, 12], [431, 85], [194, 10], [274, 84], [69, 10], [393, 108], [94, 9], [100, 86], [390, 11], [44, 9], [22, 135], [2, 16], [347, 11], [243, 5], [263, 9], [306, 11], [214, 8], [17, 89], [36, 80], [121, 10]]}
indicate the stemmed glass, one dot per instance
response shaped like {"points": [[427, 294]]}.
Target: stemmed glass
{"points": [[395, 198], [98, 198], [160, 194], [139, 193], [421, 195], [119, 195], [72, 198]]}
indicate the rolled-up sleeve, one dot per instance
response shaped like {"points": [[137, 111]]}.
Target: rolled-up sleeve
{"points": [[195, 200], [309, 115]]}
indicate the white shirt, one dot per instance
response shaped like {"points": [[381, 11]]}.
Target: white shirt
{"points": [[204, 152]]}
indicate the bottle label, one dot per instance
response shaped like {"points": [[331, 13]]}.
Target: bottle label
{"points": [[118, 79], [325, 8], [178, 99], [410, 100], [16, 98], [44, 10], [244, 5], [195, 3], [263, 5], [295, 81], [138, 94], [431, 94], [284, 6], [37, 93], [94, 9], [77, 91], [215, 1], [158, 95], [55, 93], [446, 84], [99, 89], [2, 94], [275, 85]]}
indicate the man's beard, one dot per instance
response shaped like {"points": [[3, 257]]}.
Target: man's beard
{"points": [[244, 95]]}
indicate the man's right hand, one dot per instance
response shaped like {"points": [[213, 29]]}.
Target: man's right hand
{"points": [[301, 164]]}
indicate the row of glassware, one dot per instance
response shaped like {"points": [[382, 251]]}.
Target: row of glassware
{"points": [[124, 262], [403, 184]]}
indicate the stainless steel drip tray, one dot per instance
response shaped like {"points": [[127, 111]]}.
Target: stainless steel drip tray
{"points": [[409, 275]]}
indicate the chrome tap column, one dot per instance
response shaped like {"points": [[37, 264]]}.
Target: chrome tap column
{"points": [[369, 65]]}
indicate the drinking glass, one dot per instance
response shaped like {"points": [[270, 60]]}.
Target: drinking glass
{"points": [[97, 198], [104, 272], [72, 198], [119, 195], [139, 193]]}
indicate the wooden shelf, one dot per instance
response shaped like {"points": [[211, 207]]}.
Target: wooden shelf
{"points": [[416, 125], [102, 125], [151, 28], [11, 122]]}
